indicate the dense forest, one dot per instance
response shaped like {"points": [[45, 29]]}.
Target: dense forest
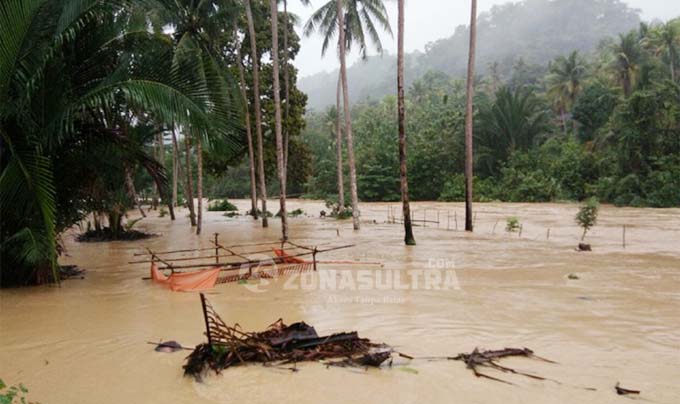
{"points": [[535, 31], [605, 124]]}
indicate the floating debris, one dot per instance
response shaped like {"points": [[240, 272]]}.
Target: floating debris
{"points": [[623, 392], [168, 346], [279, 344]]}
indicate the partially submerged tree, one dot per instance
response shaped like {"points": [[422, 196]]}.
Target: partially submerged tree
{"points": [[469, 118], [403, 170], [350, 20]]}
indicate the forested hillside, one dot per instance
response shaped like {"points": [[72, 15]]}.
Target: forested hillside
{"points": [[531, 32]]}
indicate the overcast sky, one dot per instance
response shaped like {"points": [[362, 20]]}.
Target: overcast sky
{"points": [[429, 20]]}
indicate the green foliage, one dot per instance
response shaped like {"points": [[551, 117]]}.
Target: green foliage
{"points": [[222, 205], [512, 225], [587, 215], [12, 394]]}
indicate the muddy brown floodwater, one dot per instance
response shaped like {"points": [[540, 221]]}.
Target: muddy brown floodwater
{"points": [[85, 342]]}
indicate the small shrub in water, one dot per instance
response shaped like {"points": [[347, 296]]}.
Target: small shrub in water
{"points": [[512, 225], [222, 205], [587, 216]]}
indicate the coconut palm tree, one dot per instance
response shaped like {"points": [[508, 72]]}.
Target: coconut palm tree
{"points": [[249, 132], [57, 103], [625, 61], [403, 172], [665, 38], [565, 82], [469, 117], [358, 19], [274, 10], [257, 109]]}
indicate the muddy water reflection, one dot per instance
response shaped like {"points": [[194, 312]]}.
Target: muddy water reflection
{"points": [[85, 342]]}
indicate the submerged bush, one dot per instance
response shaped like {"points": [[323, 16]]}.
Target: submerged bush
{"points": [[222, 205]]}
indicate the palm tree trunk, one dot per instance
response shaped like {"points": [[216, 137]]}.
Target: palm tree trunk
{"points": [[286, 88], [189, 181], [175, 167], [403, 174], [348, 118], [199, 185], [273, 5], [249, 133], [255, 59], [672, 57], [469, 118], [338, 148]]}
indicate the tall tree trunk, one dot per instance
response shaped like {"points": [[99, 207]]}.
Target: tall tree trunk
{"points": [[180, 172], [189, 181], [348, 118], [199, 185], [403, 173], [132, 192], [249, 132], [175, 167], [338, 147], [469, 117], [672, 57], [286, 88], [255, 59], [273, 5]]}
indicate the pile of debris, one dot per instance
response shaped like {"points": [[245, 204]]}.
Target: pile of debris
{"points": [[279, 344]]}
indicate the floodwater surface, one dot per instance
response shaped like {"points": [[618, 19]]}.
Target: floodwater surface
{"points": [[86, 341]]}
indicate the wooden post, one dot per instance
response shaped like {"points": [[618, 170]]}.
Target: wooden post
{"points": [[548, 235], [521, 226], [217, 249], [424, 217], [314, 258], [448, 219], [624, 236], [205, 317], [437, 218], [455, 218]]}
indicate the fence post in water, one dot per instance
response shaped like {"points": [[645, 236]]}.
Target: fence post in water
{"points": [[217, 249], [547, 236], [624, 236], [455, 218], [437, 218], [314, 258], [448, 219], [424, 217]]}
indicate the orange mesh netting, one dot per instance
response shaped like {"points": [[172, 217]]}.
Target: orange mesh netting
{"points": [[288, 259], [186, 281]]}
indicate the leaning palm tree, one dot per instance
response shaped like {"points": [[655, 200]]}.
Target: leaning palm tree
{"points": [[352, 21], [403, 174], [565, 82], [666, 39], [469, 118], [277, 118], [257, 109], [626, 60]]}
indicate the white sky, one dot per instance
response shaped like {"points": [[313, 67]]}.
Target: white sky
{"points": [[427, 21]]}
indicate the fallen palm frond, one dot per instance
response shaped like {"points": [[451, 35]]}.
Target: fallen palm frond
{"points": [[477, 359], [279, 344]]}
